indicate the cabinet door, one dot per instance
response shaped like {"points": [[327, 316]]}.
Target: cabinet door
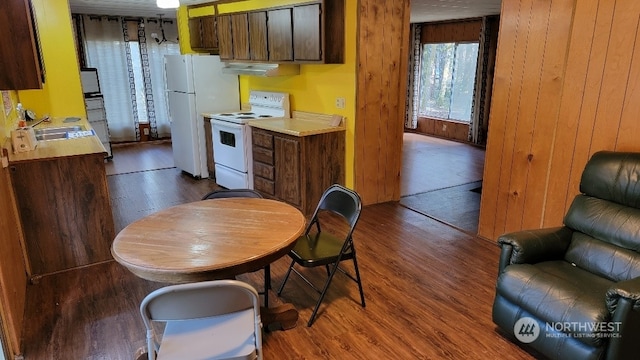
{"points": [[258, 35], [225, 43], [287, 170], [279, 29], [209, 33], [307, 41], [240, 34], [19, 53], [195, 33]]}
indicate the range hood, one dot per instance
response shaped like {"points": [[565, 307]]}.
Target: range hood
{"points": [[261, 69]]}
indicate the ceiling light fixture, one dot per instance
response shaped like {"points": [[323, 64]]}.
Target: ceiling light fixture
{"points": [[168, 4]]}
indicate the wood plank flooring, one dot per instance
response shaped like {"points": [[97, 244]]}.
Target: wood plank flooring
{"points": [[429, 290], [430, 163]]}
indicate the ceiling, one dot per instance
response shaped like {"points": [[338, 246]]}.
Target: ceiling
{"points": [[421, 10]]}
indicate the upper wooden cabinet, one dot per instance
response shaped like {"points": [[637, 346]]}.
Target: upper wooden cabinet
{"points": [[203, 32], [240, 36], [225, 42], [19, 50], [258, 36], [312, 32], [280, 34], [307, 41]]}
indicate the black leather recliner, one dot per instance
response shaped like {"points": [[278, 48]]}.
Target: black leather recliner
{"points": [[573, 292]]}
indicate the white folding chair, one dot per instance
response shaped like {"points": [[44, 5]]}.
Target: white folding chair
{"points": [[207, 320]]}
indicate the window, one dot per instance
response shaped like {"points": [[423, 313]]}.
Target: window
{"points": [[141, 96], [447, 80]]}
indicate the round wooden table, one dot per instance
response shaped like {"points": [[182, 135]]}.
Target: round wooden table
{"points": [[209, 239]]}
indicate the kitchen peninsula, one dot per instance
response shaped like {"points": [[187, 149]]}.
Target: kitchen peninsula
{"points": [[63, 201], [296, 159]]}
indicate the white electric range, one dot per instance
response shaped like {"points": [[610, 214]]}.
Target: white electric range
{"points": [[232, 153]]}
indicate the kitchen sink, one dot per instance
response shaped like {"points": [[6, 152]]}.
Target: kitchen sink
{"points": [[54, 133]]}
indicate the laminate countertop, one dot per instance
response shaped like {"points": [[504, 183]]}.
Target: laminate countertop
{"points": [[49, 149], [301, 124]]}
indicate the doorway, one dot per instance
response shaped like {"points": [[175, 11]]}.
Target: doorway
{"points": [[442, 179]]}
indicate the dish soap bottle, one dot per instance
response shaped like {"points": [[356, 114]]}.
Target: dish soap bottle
{"points": [[22, 122]]}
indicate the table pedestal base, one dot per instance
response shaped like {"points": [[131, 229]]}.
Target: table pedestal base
{"points": [[282, 317]]}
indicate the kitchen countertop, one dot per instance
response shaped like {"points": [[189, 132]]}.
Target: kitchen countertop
{"points": [[48, 149], [301, 124]]}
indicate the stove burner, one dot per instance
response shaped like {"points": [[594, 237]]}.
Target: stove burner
{"points": [[246, 113], [225, 114], [265, 116], [245, 117]]}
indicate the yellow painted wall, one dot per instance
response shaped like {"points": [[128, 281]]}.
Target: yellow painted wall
{"points": [[317, 86], [61, 94]]}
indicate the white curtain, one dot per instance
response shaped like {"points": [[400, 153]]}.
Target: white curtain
{"points": [[157, 49], [413, 80], [105, 50]]}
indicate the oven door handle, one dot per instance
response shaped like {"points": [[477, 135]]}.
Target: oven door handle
{"points": [[226, 124]]}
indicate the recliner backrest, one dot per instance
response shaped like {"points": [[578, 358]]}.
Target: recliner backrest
{"points": [[606, 217]]}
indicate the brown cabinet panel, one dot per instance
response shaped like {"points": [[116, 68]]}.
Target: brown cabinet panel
{"points": [[19, 53], [240, 34], [209, 34], [263, 139], [258, 35], [287, 151], [333, 18], [280, 34], [263, 170], [225, 41], [307, 41], [203, 33], [263, 155], [67, 221], [264, 185], [301, 167]]}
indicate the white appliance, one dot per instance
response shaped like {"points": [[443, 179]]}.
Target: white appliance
{"points": [[232, 153], [196, 85]]}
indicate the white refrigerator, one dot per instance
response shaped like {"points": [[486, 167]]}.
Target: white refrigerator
{"points": [[196, 85]]}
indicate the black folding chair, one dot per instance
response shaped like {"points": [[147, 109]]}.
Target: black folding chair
{"points": [[324, 249]]}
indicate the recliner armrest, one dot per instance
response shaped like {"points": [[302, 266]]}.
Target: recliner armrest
{"points": [[629, 289], [531, 246]]}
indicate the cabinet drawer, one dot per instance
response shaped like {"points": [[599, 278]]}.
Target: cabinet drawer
{"points": [[263, 155], [262, 170], [93, 103], [263, 140], [264, 185]]}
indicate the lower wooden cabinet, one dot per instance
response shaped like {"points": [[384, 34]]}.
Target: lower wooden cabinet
{"points": [[297, 169], [65, 212]]}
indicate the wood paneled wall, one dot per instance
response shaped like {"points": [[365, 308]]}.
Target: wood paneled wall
{"points": [[383, 45], [443, 128], [13, 276], [567, 84]]}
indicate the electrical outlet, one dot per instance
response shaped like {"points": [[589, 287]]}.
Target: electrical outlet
{"points": [[146, 131], [340, 102]]}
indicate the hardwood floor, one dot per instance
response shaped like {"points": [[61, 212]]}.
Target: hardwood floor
{"points": [[430, 163], [127, 159], [429, 290], [442, 179]]}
